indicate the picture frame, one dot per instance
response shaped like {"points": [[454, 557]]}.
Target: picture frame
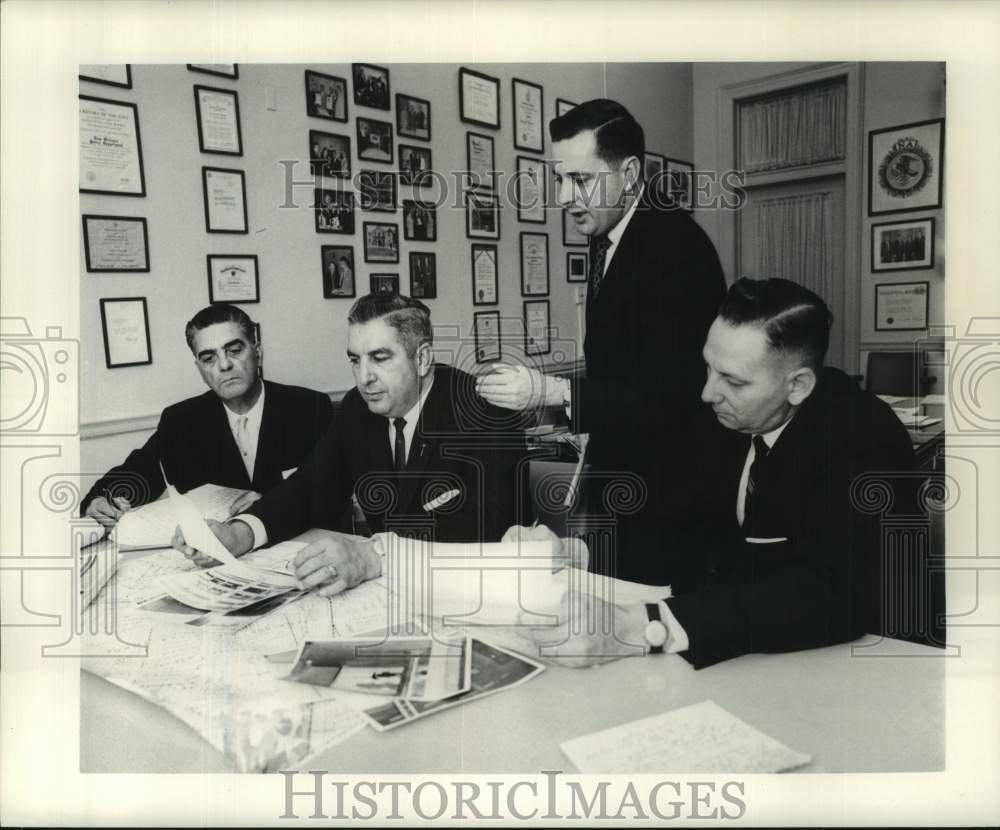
{"points": [[571, 237], [329, 154], [115, 244], [652, 170], [903, 246], [371, 86], [225, 194], [374, 140], [528, 104], [419, 221], [536, 327], [337, 262], [678, 183], [906, 167], [125, 328], [413, 117], [218, 114], [577, 266], [534, 264], [112, 74], [486, 331], [414, 165], [377, 190], [531, 190], [423, 275], [333, 211], [902, 306], [480, 161], [221, 70], [383, 284], [326, 96], [482, 215], [233, 278], [381, 241], [479, 98], [563, 106], [485, 275], [110, 147]]}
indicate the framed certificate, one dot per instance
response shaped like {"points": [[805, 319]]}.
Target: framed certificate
{"points": [[233, 278], [486, 328], [531, 190], [563, 106], [482, 215], [528, 116], [536, 327], [571, 235], [484, 274], [479, 98], [125, 323], [903, 246], [112, 74], [218, 113], [110, 148], [115, 244], [901, 306], [534, 264], [225, 200], [480, 161], [577, 266], [223, 70]]}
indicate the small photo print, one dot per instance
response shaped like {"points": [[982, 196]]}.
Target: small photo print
{"points": [[338, 271], [381, 242], [334, 211], [384, 284], [419, 221], [423, 275], [329, 154]]}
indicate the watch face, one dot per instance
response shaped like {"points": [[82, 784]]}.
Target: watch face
{"points": [[656, 633]]}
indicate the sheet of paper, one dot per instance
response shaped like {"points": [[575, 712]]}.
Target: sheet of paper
{"points": [[153, 524], [702, 737], [225, 587], [196, 531]]}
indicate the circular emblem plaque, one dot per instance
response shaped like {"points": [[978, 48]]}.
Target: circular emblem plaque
{"points": [[905, 169]]}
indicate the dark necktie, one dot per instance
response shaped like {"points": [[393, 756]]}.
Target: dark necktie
{"points": [[598, 255], [756, 474], [399, 452]]}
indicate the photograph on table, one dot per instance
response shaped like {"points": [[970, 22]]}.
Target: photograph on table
{"points": [[334, 210], [377, 190], [577, 266], [484, 275], [374, 140], [218, 112], [536, 327], [329, 154], [413, 117], [112, 74], [115, 244], [480, 161], [903, 246], [906, 167], [479, 98], [486, 329], [534, 264], [383, 283], [423, 275], [338, 271], [326, 96], [381, 242], [482, 215], [414, 164], [125, 324], [371, 86], [419, 221], [233, 278]]}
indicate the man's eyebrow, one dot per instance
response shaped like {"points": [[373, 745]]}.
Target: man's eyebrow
{"points": [[207, 352]]}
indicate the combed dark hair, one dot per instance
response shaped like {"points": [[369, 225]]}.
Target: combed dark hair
{"points": [[219, 313], [792, 317], [617, 133], [409, 317]]}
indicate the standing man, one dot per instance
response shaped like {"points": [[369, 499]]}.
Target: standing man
{"points": [[655, 285]]}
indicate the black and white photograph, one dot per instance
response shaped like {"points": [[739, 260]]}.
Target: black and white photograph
{"points": [[423, 275], [903, 246], [374, 140], [377, 190], [371, 86], [413, 117], [326, 96], [678, 178], [381, 242], [338, 271], [334, 211], [419, 221], [384, 283], [482, 215], [329, 154], [414, 165]]}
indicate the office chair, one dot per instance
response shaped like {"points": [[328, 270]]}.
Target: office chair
{"points": [[897, 373]]}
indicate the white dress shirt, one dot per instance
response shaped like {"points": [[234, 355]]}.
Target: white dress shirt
{"points": [[248, 445], [615, 234], [741, 492]]}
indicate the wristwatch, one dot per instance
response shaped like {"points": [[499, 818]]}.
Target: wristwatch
{"points": [[656, 631]]}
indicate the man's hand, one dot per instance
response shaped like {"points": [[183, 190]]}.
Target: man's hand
{"points": [[571, 553], [237, 537], [518, 387], [335, 562], [242, 502], [107, 513]]}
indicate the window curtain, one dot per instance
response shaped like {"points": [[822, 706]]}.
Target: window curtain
{"points": [[793, 239]]}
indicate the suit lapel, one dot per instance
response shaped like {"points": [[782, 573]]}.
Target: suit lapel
{"points": [[424, 446], [228, 455], [268, 441]]}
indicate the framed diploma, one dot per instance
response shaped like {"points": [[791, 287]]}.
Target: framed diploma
{"points": [[901, 306], [571, 235], [531, 190], [486, 328], [577, 266], [110, 148], [563, 106], [125, 323], [534, 264], [112, 74], [528, 116], [484, 274], [218, 112], [482, 215], [233, 278], [223, 70], [479, 98], [480, 162], [225, 200], [115, 244], [536, 327]]}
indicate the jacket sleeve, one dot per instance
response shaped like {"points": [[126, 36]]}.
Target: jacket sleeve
{"points": [[138, 478]]}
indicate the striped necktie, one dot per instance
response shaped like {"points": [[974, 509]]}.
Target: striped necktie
{"points": [[760, 450], [399, 452], [598, 256]]}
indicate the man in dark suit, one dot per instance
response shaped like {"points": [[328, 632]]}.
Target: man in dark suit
{"points": [[245, 432], [655, 285]]}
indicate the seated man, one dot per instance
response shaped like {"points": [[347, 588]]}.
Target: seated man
{"points": [[421, 450], [790, 561], [245, 433]]}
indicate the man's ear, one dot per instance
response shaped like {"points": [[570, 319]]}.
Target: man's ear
{"points": [[631, 168], [800, 384], [425, 359]]}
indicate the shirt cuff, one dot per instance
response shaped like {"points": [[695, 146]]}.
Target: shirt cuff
{"points": [[256, 526], [678, 640]]}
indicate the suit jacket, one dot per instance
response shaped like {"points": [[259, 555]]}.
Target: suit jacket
{"points": [[822, 584], [458, 445], [640, 400], [196, 446]]}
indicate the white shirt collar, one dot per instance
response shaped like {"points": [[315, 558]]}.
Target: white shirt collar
{"points": [[253, 415], [771, 437], [411, 417], [615, 234]]}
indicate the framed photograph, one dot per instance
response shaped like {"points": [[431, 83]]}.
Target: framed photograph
{"points": [[374, 140], [326, 96], [906, 167], [536, 327], [381, 242], [223, 70], [679, 183], [480, 160], [485, 268], [233, 278], [218, 112], [652, 170], [479, 98], [413, 117], [377, 190], [371, 86], [225, 200], [531, 190], [110, 148], [903, 246], [112, 74], [529, 129], [115, 244], [577, 266], [534, 264], [563, 106], [486, 328], [125, 324], [482, 215], [423, 275], [901, 306], [338, 271], [572, 236], [383, 284], [414, 164], [419, 221], [334, 210], [329, 154]]}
